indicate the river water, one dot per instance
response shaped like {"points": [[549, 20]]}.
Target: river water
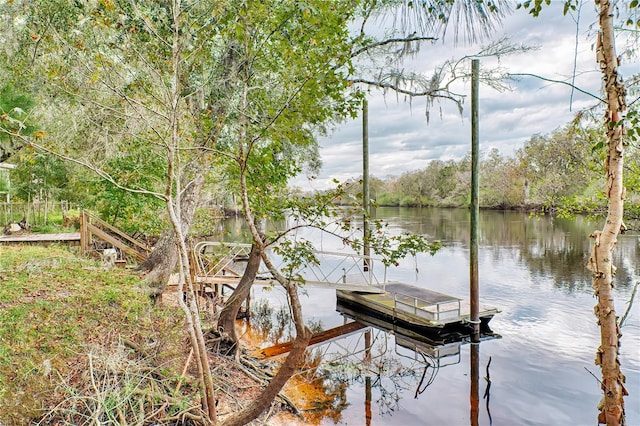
{"points": [[541, 369]]}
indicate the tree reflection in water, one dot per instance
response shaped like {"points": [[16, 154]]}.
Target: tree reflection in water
{"points": [[368, 361], [383, 361]]}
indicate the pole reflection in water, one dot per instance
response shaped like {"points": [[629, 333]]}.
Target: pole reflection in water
{"points": [[424, 353], [367, 400], [367, 379], [474, 394]]}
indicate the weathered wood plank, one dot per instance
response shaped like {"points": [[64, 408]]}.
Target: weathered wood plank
{"points": [[67, 236], [323, 336], [115, 242]]}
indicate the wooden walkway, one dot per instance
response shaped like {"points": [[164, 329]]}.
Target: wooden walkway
{"points": [[90, 227], [223, 263], [40, 238]]}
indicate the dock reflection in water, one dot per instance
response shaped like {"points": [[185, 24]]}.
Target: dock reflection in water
{"points": [[420, 355]]}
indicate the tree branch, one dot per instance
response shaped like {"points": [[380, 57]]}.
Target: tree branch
{"points": [[398, 89], [551, 80], [391, 41], [104, 175]]}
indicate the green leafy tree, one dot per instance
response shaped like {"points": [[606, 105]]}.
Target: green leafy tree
{"points": [[129, 211], [39, 177], [556, 166], [15, 109], [501, 184]]}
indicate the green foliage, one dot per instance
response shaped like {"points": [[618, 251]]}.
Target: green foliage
{"points": [[293, 61], [318, 211], [39, 175], [14, 120], [388, 199], [560, 171], [632, 125], [534, 7], [128, 210], [4, 181]]}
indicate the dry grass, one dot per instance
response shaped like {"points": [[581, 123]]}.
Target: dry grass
{"points": [[80, 344]]}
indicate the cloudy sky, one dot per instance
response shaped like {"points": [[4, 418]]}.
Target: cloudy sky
{"points": [[402, 140]]}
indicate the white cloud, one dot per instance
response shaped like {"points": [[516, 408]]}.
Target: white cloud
{"points": [[401, 140]]}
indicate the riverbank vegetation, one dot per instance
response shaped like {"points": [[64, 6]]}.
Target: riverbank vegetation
{"points": [[558, 173], [81, 344], [137, 109], [63, 321]]}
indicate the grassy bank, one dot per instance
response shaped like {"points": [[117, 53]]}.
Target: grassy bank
{"points": [[67, 329]]}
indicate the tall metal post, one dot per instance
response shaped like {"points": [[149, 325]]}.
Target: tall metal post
{"points": [[474, 292], [365, 181]]}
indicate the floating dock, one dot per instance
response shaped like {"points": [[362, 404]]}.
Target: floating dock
{"points": [[416, 307]]}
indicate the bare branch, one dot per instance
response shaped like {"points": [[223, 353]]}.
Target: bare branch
{"points": [[551, 80], [389, 41], [430, 92], [629, 304]]}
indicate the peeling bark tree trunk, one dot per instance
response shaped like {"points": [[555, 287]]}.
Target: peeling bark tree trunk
{"points": [[612, 405], [162, 260], [229, 313]]}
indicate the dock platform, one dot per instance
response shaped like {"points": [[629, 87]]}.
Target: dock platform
{"points": [[416, 306]]}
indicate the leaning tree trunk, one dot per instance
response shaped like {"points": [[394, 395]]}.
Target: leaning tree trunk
{"points": [[290, 365], [162, 260], [229, 313], [612, 405]]}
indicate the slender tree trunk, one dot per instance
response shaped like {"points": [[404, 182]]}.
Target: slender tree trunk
{"points": [[229, 313], [290, 365], [303, 334], [175, 173], [612, 405], [162, 261]]}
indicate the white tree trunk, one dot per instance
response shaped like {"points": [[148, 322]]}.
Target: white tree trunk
{"points": [[612, 405]]}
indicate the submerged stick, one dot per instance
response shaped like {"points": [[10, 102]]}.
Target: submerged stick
{"points": [[487, 395]]}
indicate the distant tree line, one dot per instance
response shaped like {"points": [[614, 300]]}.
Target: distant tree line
{"points": [[560, 172]]}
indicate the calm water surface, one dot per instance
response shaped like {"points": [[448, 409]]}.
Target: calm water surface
{"points": [[532, 268]]}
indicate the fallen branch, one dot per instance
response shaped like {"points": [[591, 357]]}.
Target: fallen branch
{"points": [[184, 370], [262, 377]]}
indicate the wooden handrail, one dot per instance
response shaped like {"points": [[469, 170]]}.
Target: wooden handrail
{"points": [[87, 228], [113, 241], [118, 232]]}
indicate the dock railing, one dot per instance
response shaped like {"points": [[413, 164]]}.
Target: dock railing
{"points": [[332, 269], [217, 258], [345, 268], [433, 311]]}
